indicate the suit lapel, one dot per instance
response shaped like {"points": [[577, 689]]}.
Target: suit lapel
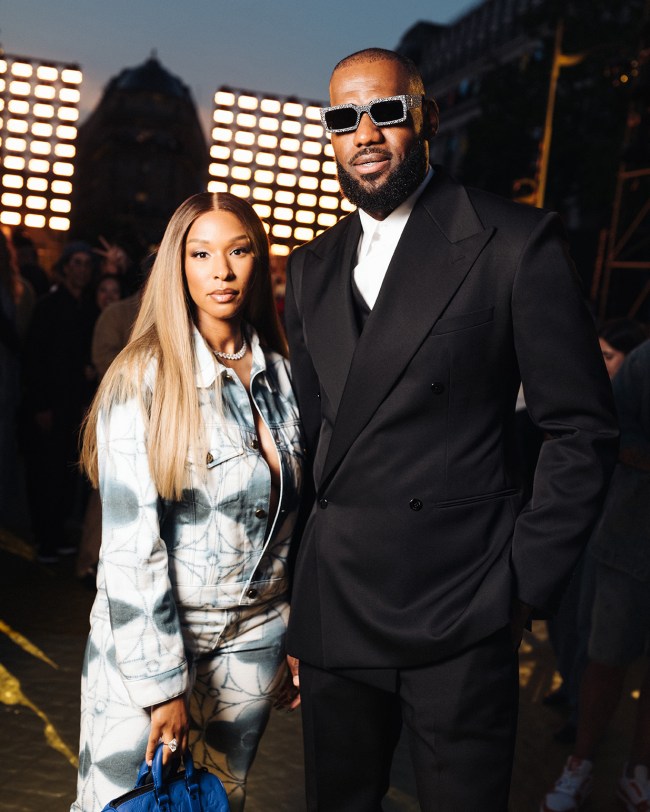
{"points": [[439, 245], [329, 311]]}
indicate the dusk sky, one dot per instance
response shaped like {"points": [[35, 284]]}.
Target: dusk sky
{"points": [[276, 46]]}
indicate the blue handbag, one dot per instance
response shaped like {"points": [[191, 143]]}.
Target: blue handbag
{"points": [[190, 790]]}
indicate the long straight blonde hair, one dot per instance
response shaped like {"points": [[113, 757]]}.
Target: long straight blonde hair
{"points": [[163, 334]]}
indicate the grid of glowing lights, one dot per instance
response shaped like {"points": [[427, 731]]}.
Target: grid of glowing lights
{"points": [[38, 115], [276, 153]]}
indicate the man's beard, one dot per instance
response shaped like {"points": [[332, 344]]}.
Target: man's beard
{"points": [[395, 188]]}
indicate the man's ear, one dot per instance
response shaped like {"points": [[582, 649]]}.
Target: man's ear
{"points": [[431, 118]]}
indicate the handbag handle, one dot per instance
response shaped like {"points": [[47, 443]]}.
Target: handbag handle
{"points": [[162, 796]]}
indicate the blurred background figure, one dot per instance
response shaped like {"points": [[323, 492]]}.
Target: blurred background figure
{"points": [[620, 619], [569, 629], [59, 383]]}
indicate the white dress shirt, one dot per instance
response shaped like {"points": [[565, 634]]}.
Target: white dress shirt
{"points": [[378, 243]]}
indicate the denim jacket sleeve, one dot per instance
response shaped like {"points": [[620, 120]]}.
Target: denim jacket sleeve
{"points": [[144, 620]]}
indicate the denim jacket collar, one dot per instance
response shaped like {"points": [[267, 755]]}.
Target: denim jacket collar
{"points": [[208, 365]]}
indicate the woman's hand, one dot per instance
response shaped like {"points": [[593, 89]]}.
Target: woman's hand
{"points": [[169, 720], [288, 697]]}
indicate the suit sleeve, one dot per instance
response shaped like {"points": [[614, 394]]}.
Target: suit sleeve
{"points": [[146, 629], [569, 398]]}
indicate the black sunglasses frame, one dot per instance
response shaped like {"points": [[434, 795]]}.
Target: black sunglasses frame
{"points": [[408, 103]]}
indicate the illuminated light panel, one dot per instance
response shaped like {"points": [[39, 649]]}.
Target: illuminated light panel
{"points": [[62, 168], [284, 179], [11, 199], [329, 167], [38, 165], [12, 181], [270, 106], [23, 69], [305, 182], [44, 92], [2, 84], [292, 109], [312, 148], [265, 159], [247, 102], [17, 125], [262, 210], [42, 130], [71, 77], [264, 176], [269, 124], [43, 110], [14, 162], [66, 131], [288, 162], [267, 141], [68, 113], [241, 173], [312, 113], [245, 138], [327, 220], [290, 144], [305, 199], [329, 185], [329, 150], [240, 190], [291, 127], [18, 107], [10, 218], [35, 220], [64, 150], [309, 165], [59, 223], [305, 216], [69, 95], [61, 206], [267, 227], [305, 234], [244, 156], [219, 170], [219, 152], [313, 131], [221, 134], [280, 230], [217, 186], [281, 213], [37, 184], [246, 120], [61, 187], [326, 202], [47, 74], [222, 97], [224, 116], [40, 147], [36, 202], [262, 193], [285, 197], [16, 144], [20, 88], [280, 250]]}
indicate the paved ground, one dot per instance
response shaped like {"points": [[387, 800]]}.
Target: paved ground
{"points": [[43, 625]]}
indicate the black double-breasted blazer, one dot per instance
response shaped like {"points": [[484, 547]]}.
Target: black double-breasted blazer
{"points": [[418, 539]]}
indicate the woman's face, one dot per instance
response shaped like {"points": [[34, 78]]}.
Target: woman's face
{"points": [[108, 291], [613, 358], [219, 267]]}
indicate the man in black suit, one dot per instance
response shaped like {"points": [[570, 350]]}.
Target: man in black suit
{"points": [[411, 324]]}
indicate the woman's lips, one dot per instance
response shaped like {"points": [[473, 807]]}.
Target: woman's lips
{"points": [[223, 296]]}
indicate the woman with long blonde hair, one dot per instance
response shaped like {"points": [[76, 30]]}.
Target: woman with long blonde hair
{"points": [[195, 443]]}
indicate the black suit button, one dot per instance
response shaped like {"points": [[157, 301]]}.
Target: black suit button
{"points": [[416, 504], [437, 388], [323, 503], [318, 395]]}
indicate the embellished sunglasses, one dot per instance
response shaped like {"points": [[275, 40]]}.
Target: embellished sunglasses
{"points": [[345, 118]]}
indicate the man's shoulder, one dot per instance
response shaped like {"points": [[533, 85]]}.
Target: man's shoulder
{"points": [[494, 209], [325, 240]]}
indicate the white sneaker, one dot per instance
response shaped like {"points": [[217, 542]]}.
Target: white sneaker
{"points": [[571, 788], [634, 792]]}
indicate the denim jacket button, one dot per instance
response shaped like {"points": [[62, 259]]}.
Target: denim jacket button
{"points": [[261, 513], [251, 593]]}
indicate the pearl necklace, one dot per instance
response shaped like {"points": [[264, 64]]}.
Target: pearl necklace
{"points": [[233, 356]]}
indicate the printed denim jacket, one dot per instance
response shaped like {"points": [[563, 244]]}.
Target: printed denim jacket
{"points": [[167, 568]]}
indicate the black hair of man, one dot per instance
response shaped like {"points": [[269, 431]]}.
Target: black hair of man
{"points": [[416, 85]]}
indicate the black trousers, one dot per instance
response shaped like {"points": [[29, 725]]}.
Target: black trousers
{"points": [[460, 715]]}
